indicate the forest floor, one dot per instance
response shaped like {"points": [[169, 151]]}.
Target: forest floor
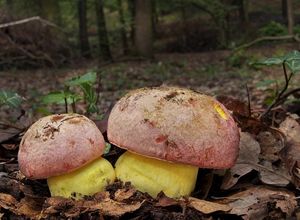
{"points": [[214, 73], [263, 184]]}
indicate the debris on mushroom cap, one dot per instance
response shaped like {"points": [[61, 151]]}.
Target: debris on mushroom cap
{"points": [[175, 124], [58, 144]]}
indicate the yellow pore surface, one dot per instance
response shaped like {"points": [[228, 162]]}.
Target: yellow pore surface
{"points": [[153, 176], [87, 180]]}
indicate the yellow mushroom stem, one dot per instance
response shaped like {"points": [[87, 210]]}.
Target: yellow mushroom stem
{"points": [[153, 176], [87, 180]]}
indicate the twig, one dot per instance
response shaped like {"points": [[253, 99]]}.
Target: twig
{"points": [[26, 52], [73, 105], [267, 38], [286, 95], [249, 101], [98, 89], [279, 96], [26, 20], [259, 166], [6, 124], [66, 105]]}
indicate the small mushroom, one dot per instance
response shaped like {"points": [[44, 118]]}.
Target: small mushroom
{"points": [[66, 149], [169, 133]]}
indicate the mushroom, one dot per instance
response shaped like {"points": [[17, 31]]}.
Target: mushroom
{"points": [[169, 133], [66, 149]]}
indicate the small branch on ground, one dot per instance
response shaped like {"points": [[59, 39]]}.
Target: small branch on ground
{"points": [[7, 124], [27, 20], [278, 98], [249, 101], [285, 96], [66, 106], [268, 38]]}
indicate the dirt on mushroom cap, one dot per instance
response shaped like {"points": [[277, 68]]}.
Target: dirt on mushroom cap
{"points": [[175, 124], [57, 144]]}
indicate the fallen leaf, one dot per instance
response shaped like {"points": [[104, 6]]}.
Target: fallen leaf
{"points": [[10, 146], [165, 201], [291, 128], [271, 143], [254, 202], [123, 194], [234, 105], [8, 133], [248, 155], [72, 208], [248, 160], [207, 207], [114, 208], [7, 201], [25, 207], [266, 175], [290, 155]]}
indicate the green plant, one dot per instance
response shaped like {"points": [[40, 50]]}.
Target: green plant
{"points": [[273, 29], [10, 99], [290, 63], [297, 29], [70, 93]]}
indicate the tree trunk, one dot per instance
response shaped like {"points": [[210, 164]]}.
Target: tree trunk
{"points": [[123, 29], [284, 9], [154, 18], [243, 11], [290, 16], [184, 24], [102, 31], [131, 8], [83, 34], [9, 5], [143, 28]]}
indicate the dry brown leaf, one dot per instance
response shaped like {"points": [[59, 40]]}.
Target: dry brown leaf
{"points": [[234, 105], [114, 208], [124, 193], [8, 133], [282, 178], [10, 146], [249, 153], [271, 143], [207, 207], [29, 207], [290, 155], [248, 160], [7, 201], [25, 207], [291, 128], [165, 201], [254, 202], [105, 206]]}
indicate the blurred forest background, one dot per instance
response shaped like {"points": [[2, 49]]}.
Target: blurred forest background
{"points": [[209, 45], [108, 29]]}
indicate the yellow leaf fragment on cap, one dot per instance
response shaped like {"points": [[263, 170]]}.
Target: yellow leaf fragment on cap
{"points": [[153, 176], [87, 180], [220, 111]]}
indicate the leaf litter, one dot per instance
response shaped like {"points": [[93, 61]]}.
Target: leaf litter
{"points": [[261, 184]]}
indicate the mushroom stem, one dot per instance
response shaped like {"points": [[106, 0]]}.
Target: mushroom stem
{"points": [[87, 180], [153, 176]]}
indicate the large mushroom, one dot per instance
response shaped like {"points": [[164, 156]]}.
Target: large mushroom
{"points": [[169, 133], [66, 149]]}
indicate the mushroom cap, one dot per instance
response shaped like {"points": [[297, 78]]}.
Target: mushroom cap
{"points": [[175, 124], [59, 144]]}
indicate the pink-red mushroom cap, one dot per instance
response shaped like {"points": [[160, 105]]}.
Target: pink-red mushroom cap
{"points": [[177, 125], [59, 144]]}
